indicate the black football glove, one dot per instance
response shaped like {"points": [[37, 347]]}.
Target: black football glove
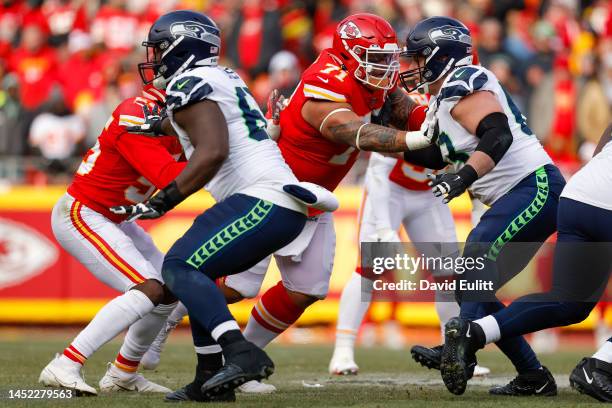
{"points": [[152, 125], [156, 206], [451, 185]]}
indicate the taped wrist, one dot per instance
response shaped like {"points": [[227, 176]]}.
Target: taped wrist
{"points": [[495, 135], [168, 197], [468, 175]]}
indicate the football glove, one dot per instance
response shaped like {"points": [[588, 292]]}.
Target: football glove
{"points": [[152, 125], [162, 202], [276, 103], [451, 185]]}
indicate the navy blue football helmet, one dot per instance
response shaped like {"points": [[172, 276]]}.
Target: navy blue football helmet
{"points": [[443, 43], [178, 41]]}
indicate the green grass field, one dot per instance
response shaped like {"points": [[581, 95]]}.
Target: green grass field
{"points": [[388, 378]]}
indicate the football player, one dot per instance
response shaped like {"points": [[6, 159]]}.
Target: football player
{"points": [[261, 206], [122, 168], [322, 129], [581, 272], [474, 125]]}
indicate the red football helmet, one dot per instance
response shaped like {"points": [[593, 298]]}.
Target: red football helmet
{"points": [[367, 45]]}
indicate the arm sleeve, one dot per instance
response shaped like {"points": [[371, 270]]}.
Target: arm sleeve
{"points": [[150, 158], [377, 185], [430, 157]]}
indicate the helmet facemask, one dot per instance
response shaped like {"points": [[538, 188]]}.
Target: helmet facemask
{"points": [[153, 69], [378, 67]]}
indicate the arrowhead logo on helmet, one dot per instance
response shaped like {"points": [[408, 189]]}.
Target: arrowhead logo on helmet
{"points": [[349, 31]]}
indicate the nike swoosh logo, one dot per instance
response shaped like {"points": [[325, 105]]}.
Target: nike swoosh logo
{"points": [[467, 333], [586, 376], [539, 390], [326, 80], [182, 84]]}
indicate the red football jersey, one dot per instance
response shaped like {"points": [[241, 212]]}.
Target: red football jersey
{"points": [[312, 157], [125, 168]]}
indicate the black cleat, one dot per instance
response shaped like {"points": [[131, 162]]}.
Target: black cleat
{"points": [[244, 362], [593, 377], [193, 392], [427, 357], [458, 355], [534, 382]]}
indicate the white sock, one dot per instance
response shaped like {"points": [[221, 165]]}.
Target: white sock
{"points": [[446, 308], [140, 335], [112, 319], [224, 327], [490, 327], [605, 352], [354, 303], [177, 315], [257, 334]]}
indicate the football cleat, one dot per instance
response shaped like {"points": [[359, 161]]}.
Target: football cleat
{"points": [[430, 358], [458, 358], [193, 392], [111, 382], [58, 374], [244, 362], [343, 363], [427, 357], [256, 387], [593, 377], [533, 382]]}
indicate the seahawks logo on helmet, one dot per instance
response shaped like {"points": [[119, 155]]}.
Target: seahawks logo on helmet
{"points": [[450, 33], [196, 30]]}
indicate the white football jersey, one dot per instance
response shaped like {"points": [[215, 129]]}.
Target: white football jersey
{"points": [[592, 184], [254, 166], [525, 154]]}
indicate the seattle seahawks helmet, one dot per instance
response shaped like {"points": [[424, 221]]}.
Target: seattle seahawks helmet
{"points": [[443, 43], [178, 41]]}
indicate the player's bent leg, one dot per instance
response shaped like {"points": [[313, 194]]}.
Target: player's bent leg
{"points": [[232, 236], [112, 257], [305, 279]]}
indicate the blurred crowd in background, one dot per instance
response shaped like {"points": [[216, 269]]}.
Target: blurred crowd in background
{"points": [[65, 64]]}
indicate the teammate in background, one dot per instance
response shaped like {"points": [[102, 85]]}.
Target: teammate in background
{"points": [[261, 206], [474, 125], [581, 272], [121, 168]]}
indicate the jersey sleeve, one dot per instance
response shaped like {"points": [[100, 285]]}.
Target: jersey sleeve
{"points": [[326, 84], [465, 81], [149, 157], [187, 89]]}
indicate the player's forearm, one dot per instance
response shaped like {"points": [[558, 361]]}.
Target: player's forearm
{"points": [[399, 105], [481, 162], [371, 137], [167, 128]]}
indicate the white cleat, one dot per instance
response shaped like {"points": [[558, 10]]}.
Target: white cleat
{"points": [[256, 387], [112, 382], [343, 363], [58, 374], [480, 371]]}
